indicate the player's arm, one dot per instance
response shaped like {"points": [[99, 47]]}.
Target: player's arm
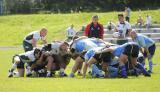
{"points": [[105, 50], [88, 64], [44, 40], [80, 38], [34, 42], [85, 69], [142, 42]]}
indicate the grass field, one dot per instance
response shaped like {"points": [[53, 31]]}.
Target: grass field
{"points": [[78, 84], [14, 27]]}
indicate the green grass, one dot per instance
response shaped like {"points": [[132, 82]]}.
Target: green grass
{"points": [[15, 27], [78, 84]]}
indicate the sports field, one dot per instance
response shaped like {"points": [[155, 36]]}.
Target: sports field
{"points": [[14, 27]]}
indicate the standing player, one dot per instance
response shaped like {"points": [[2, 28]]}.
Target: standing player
{"points": [[147, 44]]}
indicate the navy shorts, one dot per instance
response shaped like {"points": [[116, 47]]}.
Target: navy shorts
{"points": [[131, 50], [27, 46], [151, 50], [20, 65], [103, 57]]}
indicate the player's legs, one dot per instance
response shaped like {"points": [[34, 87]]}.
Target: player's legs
{"points": [[78, 62]]}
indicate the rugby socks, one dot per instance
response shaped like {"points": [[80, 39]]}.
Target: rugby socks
{"points": [[140, 66], [14, 66], [48, 73], [90, 69], [28, 70], [123, 71], [61, 70], [150, 65], [71, 75]]}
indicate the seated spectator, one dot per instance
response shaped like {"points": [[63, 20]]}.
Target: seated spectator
{"points": [[140, 21], [94, 29], [148, 21], [123, 28], [70, 32], [110, 25]]}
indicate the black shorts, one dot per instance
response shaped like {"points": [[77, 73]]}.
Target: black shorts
{"points": [[20, 65], [27, 46], [103, 57], [131, 50], [82, 55], [151, 50]]}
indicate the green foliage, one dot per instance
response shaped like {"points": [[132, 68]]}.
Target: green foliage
{"points": [[65, 6]]}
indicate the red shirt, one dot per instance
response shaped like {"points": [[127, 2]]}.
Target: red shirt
{"points": [[87, 30]]}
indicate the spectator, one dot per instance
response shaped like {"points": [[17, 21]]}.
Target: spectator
{"points": [[94, 29], [127, 13], [148, 21], [123, 28], [110, 25], [70, 32], [140, 21]]}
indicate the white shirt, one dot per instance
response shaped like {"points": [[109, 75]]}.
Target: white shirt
{"points": [[55, 47], [71, 32], [27, 56], [148, 20], [33, 35], [123, 27], [128, 12]]}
